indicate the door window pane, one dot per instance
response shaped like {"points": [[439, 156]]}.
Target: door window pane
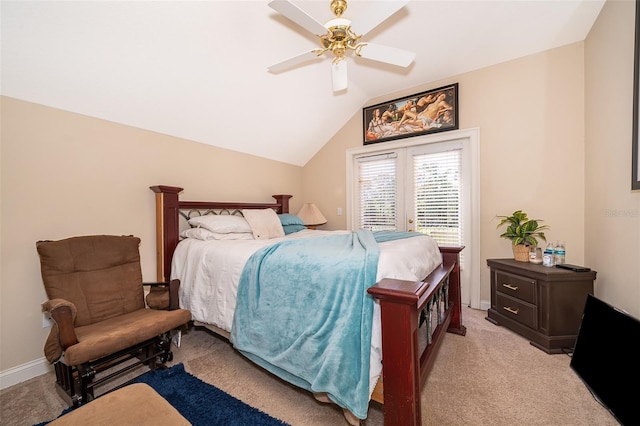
{"points": [[377, 183], [437, 196]]}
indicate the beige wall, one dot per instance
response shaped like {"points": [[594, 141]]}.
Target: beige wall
{"points": [[65, 174], [543, 118], [612, 213], [530, 113]]}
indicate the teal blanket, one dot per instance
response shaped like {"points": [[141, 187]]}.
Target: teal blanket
{"points": [[304, 314], [382, 236]]}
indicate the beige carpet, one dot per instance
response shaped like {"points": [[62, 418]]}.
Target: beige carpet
{"points": [[489, 377]]}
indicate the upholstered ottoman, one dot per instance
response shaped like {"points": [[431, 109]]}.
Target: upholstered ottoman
{"points": [[137, 404]]}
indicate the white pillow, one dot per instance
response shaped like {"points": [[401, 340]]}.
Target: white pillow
{"points": [[205, 234], [222, 223], [265, 223]]}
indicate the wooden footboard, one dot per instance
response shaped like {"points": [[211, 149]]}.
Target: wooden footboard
{"points": [[404, 306], [404, 366]]}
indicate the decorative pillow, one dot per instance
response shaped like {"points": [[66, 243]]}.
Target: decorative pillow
{"points": [[222, 223], [290, 219], [204, 234], [290, 229], [264, 223]]}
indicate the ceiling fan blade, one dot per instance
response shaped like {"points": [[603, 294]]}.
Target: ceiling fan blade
{"points": [[389, 55], [339, 75], [298, 16], [376, 13], [292, 62]]}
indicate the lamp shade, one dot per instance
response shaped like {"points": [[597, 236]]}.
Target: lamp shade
{"points": [[311, 215]]}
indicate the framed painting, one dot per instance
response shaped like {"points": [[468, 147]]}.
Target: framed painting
{"points": [[420, 114], [635, 151]]}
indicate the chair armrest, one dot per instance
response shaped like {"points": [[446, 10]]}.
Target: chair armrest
{"points": [[63, 313], [173, 287], [174, 301], [158, 284]]}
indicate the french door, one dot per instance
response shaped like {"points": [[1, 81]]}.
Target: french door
{"points": [[426, 186]]}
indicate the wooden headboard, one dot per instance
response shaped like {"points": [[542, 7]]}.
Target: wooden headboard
{"points": [[169, 211]]}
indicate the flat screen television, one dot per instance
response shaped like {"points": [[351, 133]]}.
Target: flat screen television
{"points": [[606, 357]]}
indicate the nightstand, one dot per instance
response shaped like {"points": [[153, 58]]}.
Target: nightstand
{"points": [[542, 304]]}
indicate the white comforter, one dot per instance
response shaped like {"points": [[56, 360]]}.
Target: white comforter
{"points": [[209, 273]]}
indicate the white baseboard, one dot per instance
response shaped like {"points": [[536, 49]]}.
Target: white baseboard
{"points": [[24, 372], [485, 305]]}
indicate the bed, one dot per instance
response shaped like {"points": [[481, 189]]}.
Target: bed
{"points": [[413, 315]]}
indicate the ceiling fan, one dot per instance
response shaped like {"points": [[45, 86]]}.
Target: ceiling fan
{"points": [[340, 36]]}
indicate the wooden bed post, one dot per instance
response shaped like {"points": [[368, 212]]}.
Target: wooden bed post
{"points": [[283, 200], [167, 228], [451, 256], [400, 359]]}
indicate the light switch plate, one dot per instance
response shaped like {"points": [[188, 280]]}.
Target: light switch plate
{"points": [[46, 320]]}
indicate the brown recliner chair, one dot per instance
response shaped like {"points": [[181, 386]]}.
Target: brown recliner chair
{"points": [[96, 300]]}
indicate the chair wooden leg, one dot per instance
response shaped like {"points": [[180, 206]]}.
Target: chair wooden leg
{"points": [[162, 350], [64, 383], [74, 384], [165, 348], [151, 353], [85, 378]]}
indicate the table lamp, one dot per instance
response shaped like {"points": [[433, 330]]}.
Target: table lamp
{"points": [[311, 216]]}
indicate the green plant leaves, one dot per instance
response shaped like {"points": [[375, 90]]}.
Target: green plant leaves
{"points": [[522, 230]]}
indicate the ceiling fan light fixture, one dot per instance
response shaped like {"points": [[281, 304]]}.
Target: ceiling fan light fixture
{"points": [[339, 39], [337, 36]]}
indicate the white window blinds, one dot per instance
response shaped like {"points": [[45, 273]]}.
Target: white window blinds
{"points": [[426, 184], [437, 197], [377, 187]]}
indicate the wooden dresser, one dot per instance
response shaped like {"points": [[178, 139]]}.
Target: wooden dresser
{"points": [[542, 304]]}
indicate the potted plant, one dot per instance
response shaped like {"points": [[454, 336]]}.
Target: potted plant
{"points": [[523, 233]]}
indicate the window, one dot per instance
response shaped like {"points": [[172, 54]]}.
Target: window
{"points": [[436, 197], [377, 187], [428, 184]]}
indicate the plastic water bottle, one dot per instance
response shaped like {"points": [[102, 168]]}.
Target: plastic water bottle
{"points": [[559, 253], [548, 258]]}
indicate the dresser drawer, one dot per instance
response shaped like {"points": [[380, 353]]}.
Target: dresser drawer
{"points": [[517, 310], [516, 286]]}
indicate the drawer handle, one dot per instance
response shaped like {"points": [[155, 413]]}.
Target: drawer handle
{"points": [[510, 309], [510, 287]]}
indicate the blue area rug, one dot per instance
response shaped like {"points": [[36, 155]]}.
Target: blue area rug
{"points": [[201, 403]]}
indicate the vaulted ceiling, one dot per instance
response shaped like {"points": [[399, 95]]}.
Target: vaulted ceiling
{"points": [[198, 70]]}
